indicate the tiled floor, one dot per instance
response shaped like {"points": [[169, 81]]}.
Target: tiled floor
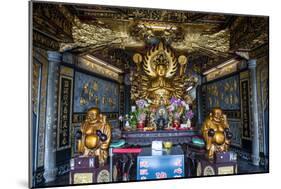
{"points": [[244, 167]]}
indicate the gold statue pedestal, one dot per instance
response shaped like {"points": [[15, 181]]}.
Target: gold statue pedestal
{"points": [[224, 163], [87, 170]]}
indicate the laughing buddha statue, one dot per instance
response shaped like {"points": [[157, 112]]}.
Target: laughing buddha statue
{"points": [[95, 136], [216, 133]]}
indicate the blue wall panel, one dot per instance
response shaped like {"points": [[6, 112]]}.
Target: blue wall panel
{"points": [[235, 128], [90, 91], [224, 94]]}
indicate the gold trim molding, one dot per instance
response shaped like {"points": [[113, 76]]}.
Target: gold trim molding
{"points": [[94, 67]]}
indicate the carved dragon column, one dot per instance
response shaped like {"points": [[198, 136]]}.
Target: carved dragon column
{"points": [[255, 127], [50, 170]]}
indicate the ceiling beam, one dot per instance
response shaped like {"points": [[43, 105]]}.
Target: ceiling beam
{"points": [[228, 22], [197, 16]]}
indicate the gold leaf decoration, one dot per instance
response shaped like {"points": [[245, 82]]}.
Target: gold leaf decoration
{"points": [[213, 43], [91, 36]]}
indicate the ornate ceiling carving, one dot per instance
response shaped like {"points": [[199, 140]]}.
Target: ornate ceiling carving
{"points": [[115, 33], [248, 33], [91, 36], [88, 12], [136, 27], [50, 26], [212, 43], [153, 32]]}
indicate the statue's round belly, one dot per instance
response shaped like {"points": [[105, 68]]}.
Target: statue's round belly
{"points": [[91, 141], [219, 137]]}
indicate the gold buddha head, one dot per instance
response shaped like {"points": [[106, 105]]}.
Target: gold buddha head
{"points": [[161, 70], [216, 114], [93, 114]]}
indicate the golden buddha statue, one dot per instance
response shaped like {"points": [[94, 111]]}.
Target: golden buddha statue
{"points": [[216, 132], [160, 87], [160, 80], [96, 135]]}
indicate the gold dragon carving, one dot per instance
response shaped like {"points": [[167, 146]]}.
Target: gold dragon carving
{"points": [[89, 37], [216, 43]]}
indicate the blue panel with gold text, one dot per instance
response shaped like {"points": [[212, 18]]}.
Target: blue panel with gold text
{"points": [[224, 94], [91, 91]]}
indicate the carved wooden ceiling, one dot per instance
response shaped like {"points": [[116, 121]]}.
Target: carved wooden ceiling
{"points": [[114, 34]]}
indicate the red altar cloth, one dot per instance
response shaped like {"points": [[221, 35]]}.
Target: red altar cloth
{"points": [[126, 150]]}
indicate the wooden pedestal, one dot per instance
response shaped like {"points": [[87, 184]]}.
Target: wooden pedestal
{"points": [[206, 167], [86, 170]]}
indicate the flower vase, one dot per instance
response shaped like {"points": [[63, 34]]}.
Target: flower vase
{"points": [[176, 124], [140, 125], [188, 124], [127, 124]]}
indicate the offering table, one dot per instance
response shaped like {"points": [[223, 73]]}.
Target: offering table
{"points": [[142, 138]]}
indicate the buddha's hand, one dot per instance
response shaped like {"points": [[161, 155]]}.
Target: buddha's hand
{"points": [[78, 135], [229, 135], [211, 132]]}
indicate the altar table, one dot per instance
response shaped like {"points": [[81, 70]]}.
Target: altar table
{"points": [[143, 138]]}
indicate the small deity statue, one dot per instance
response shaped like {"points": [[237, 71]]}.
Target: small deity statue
{"points": [[95, 136], [161, 115], [84, 98], [170, 121], [161, 121], [216, 133], [152, 122]]}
